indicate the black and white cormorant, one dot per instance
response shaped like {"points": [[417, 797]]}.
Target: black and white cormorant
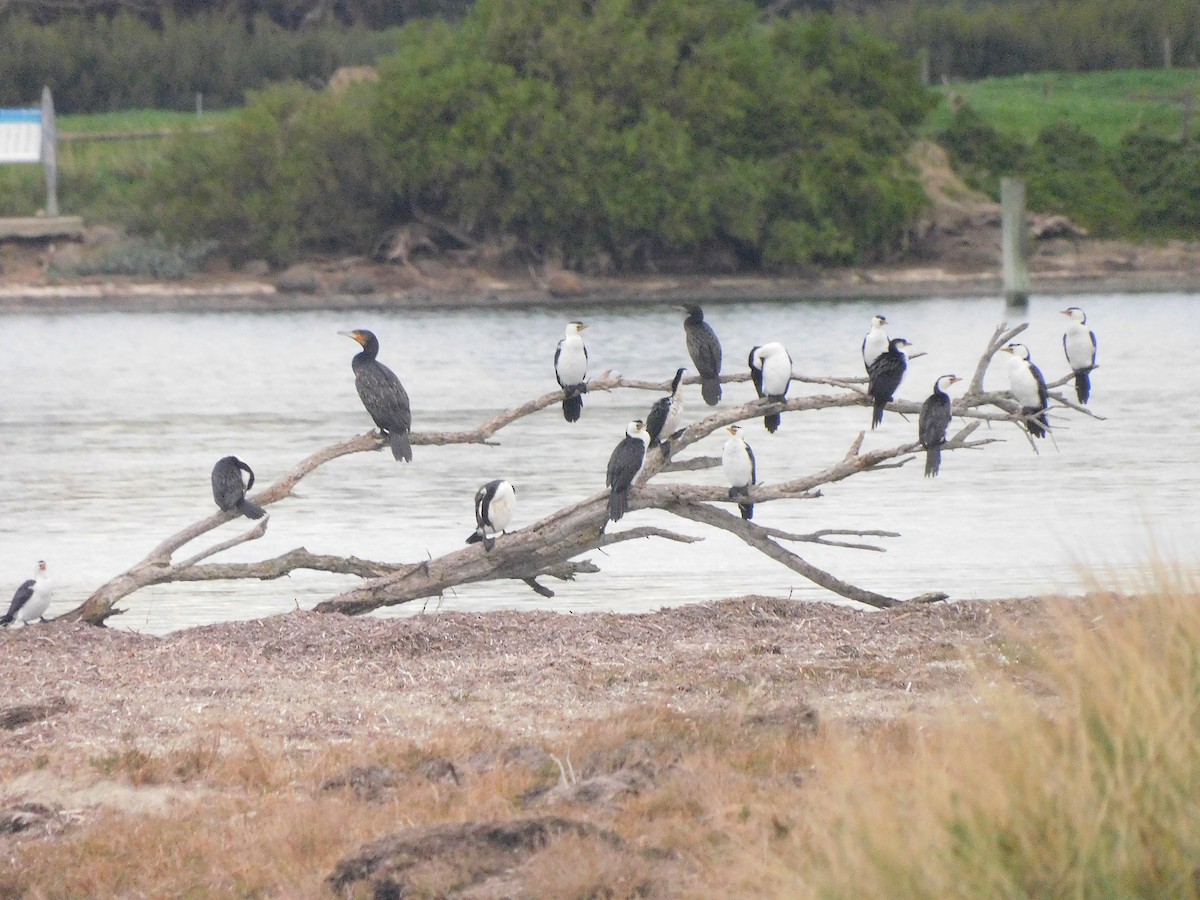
{"points": [[623, 467], [1079, 343], [230, 492], [1029, 388], [884, 377], [495, 503], [738, 462], [705, 350], [382, 394], [31, 600], [665, 414], [771, 372], [570, 368], [875, 342], [935, 419]]}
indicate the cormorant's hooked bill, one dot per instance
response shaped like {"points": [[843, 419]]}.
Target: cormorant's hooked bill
{"points": [[229, 491], [1079, 343], [1029, 388], [382, 394], [884, 377], [665, 414], [705, 350], [31, 599], [737, 459], [623, 467], [495, 503], [570, 368], [934, 420]]}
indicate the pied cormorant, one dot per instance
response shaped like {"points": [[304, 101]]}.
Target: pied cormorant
{"points": [[875, 342], [1029, 387], [705, 350], [31, 600], [570, 368], [623, 467], [935, 419], [738, 462], [884, 377], [771, 372], [495, 503], [1079, 343], [382, 394], [665, 414], [228, 490]]}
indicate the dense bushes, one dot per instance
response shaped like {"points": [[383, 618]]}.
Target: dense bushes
{"points": [[614, 133]]}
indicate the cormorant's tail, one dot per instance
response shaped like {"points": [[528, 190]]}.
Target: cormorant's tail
{"points": [[572, 406], [401, 448], [250, 510], [747, 510], [933, 462], [710, 390], [476, 537], [1083, 385], [6, 619], [618, 503], [877, 412], [1036, 420], [771, 420]]}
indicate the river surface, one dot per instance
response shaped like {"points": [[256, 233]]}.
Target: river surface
{"points": [[110, 425]]}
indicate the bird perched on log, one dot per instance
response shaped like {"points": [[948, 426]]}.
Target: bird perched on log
{"points": [[737, 460], [1079, 343], [884, 377], [934, 420], [495, 504], [623, 467], [665, 414], [705, 350], [570, 368], [31, 600], [382, 394], [229, 491], [771, 372], [1029, 388], [875, 342]]}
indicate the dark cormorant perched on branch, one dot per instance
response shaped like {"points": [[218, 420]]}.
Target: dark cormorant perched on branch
{"points": [[1079, 343], [228, 490], [705, 351], [570, 368], [382, 394], [935, 419], [623, 467], [495, 503], [884, 377]]}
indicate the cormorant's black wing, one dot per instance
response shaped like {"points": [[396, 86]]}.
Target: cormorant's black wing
{"points": [[934, 420], [227, 483], [383, 396], [20, 598], [755, 373], [657, 418]]}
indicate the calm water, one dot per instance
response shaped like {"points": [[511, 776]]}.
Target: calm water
{"points": [[111, 424]]}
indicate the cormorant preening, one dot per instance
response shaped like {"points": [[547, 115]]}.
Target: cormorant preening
{"points": [[382, 394], [1029, 387], [771, 372], [738, 462], [623, 467], [31, 600], [570, 368], [495, 503], [884, 376], [875, 342], [1079, 343], [705, 351], [665, 414], [228, 490], [935, 419]]}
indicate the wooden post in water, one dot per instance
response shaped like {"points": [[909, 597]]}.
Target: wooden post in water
{"points": [[1015, 266], [49, 152]]}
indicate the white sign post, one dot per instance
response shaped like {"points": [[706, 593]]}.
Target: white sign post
{"points": [[29, 136]]}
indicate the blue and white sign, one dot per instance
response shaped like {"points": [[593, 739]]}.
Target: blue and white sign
{"points": [[20, 135]]}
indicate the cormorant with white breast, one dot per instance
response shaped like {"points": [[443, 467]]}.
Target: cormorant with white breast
{"points": [[382, 394], [1079, 343], [737, 460], [665, 414], [884, 377], [705, 351], [570, 368], [228, 490], [31, 600], [771, 372], [935, 419], [623, 467], [495, 503], [875, 342], [1029, 387]]}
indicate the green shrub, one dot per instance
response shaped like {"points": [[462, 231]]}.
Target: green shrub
{"points": [[148, 258]]}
